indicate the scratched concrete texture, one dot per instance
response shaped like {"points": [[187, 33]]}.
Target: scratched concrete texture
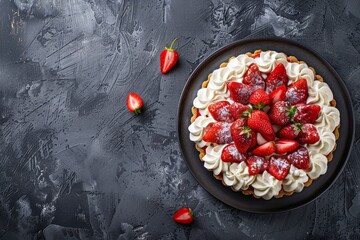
{"points": [[75, 164]]}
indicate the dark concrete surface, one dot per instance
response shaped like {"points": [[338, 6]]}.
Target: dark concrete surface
{"points": [[75, 164]]}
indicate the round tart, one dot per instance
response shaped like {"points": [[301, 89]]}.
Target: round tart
{"points": [[265, 124]]}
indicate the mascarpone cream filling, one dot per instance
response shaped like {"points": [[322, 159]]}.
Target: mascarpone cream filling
{"points": [[236, 174]]}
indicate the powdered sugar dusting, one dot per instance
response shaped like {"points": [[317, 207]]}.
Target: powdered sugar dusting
{"points": [[224, 134]]}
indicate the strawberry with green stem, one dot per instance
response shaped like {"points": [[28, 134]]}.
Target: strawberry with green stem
{"points": [[168, 58]]}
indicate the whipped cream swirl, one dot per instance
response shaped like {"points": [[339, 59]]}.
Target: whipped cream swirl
{"points": [[238, 177], [212, 159], [326, 143], [197, 128], [295, 180], [266, 186], [328, 119], [269, 59], [318, 165], [320, 93]]}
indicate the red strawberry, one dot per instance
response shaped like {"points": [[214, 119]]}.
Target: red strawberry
{"points": [[306, 113], [300, 158], [134, 103], [276, 78], [265, 149], [253, 77], [168, 58], [240, 92], [278, 94], [253, 141], [220, 111], [259, 99], [279, 167], [237, 109], [284, 146], [281, 113], [297, 92], [256, 164], [260, 122], [231, 154], [242, 135], [218, 132], [290, 131], [308, 134], [183, 216]]}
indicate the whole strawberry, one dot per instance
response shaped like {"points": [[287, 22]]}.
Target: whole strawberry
{"points": [[259, 99], [242, 136], [276, 78], [290, 131], [253, 77], [260, 122], [281, 113], [306, 113], [308, 134], [297, 92]]}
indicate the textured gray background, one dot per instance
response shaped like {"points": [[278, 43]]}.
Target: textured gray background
{"points": [[75, 164]]}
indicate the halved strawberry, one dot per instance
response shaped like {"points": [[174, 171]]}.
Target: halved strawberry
{"points": [[259, 99], [300, 158], [231, 154], [285, 146], [237, 109], [297, 92], [253, 77], [134, 103], [278, 94], [220, 111], [260, 122], [306, 113], [242, 135], [218, 132], [281, 113], [290, 131], [240, 92], [308, 134], [265, 149], [256, 164], [276, 78], [279, 167]]}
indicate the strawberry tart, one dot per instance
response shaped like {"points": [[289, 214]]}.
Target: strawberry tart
{"points": [[265, 124]]}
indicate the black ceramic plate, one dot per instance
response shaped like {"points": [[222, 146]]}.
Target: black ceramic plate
{"points": [[237, 199]]}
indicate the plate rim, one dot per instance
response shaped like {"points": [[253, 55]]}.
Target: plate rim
{"points": [[291, 42]]}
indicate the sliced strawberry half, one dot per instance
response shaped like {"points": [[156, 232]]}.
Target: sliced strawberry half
{"points": [[279, 167], [308, 134], [220, 111], [218, 132], [260, 122], [290, 131], [237, 109], [240, 92], [285, 146], [300, 158], [242, 135], [256, 164], [276, 78], [279, 94], [253, 77], [265, 150], [231, 154], [259, 99], [297, 92], [281, 113], [306, 113]]}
